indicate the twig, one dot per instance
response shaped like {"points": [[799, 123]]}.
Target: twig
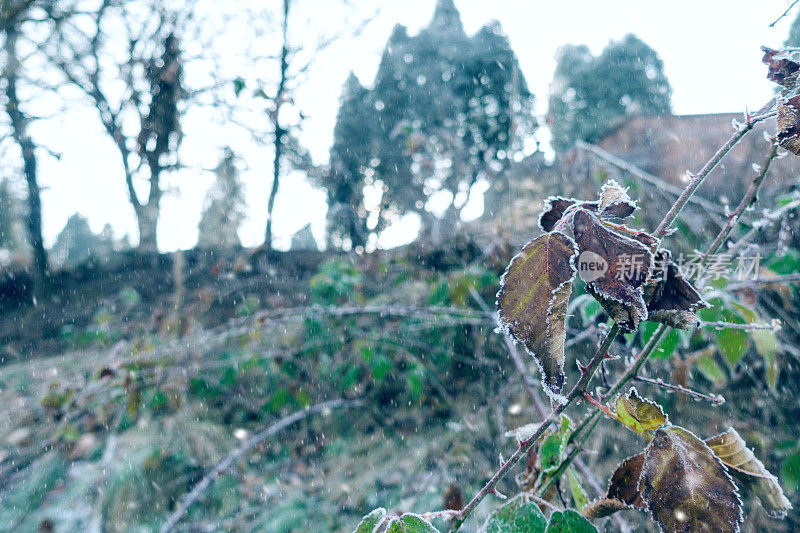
{"points": [[775, 325], [715, 399], [698, 178], [786, 278], [251, 443], [645, 176], [748, 199], [768, 219], [586, 375], [784, 13]]}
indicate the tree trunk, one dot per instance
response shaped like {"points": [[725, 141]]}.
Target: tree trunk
{"points": [[280, 132], [147, 220], [19, 124]]}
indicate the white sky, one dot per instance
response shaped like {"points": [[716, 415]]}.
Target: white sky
{"points": [[710, 50]]}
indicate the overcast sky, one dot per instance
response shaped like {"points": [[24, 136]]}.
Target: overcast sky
{"points": [[710, 51]]}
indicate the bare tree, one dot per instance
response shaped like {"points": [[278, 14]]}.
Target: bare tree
{"points": [[12, 14], [143, 119]]}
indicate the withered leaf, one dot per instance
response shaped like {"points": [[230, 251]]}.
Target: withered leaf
{"points": [[614, 201], [685, 486], [626, 317], [789, 123], [623, 490], [674, 300], [639, 414], [556, 206], [532, 302], [604, 507], [731, 449], [783, 66], [627, 262]]}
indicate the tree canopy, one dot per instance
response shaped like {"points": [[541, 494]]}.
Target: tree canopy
{"points": [[589, 95]]}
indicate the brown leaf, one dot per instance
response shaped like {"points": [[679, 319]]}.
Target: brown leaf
{"points": [[623, 490], [626, 317], [627, 262], [673, 300], [604, 507], [731, 449], [783, 67], [685, 487], [789, 124], [532, 302], [556, 206], [615, 202], [624, 484]]}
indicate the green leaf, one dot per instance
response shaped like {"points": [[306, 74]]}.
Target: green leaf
{"points": [[532, 301], [413, 523], [710, 370], [569, 521], [668, 344], [731, 449], [520, 515], [578, 496], [767, 347], [368, 523], [790, 471], [554, 447], [639, 414], [685, 486]]}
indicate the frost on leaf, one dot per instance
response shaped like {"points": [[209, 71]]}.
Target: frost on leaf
{"points": [[789, 124], [672, 299], [685, 487], [410, 523], [520, 515], [623, 490], [370, 521], [639, 414], [556, 206], [569, 521], [783, 66], [628, 262], [615, 202], [731, 449], [533, 300]]}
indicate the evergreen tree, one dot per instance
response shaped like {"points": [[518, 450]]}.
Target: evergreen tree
{"points": [[589, 94], [445, 112], [76, 243], [225, 207]]}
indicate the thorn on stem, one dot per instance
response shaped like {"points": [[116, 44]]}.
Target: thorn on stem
{"points": [[498, 493]]}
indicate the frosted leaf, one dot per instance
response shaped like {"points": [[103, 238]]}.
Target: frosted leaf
{"points": [[783, 66], [639, 414], [410, 523], [731, 449], [614, 201], [532, 302], [789, 124], [371, 521], [556, 206], [519, 515], [672, 300], [569, 521], [627, 262], [685, 487]]}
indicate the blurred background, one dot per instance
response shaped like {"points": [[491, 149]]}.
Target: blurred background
{"points": [[213, 214]]}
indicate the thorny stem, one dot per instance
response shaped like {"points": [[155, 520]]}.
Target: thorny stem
{"points": [[698, 178], [715, 399], [588, 371], [773, 326], [524, 446], [572, 456], [750, 196], [768, 219]]}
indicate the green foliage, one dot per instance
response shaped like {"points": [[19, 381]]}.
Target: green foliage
{"points": [[336, 283], [569, 521], [576, 490], [520, 515], [591, 94], [445, 110], [368, 523]]}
